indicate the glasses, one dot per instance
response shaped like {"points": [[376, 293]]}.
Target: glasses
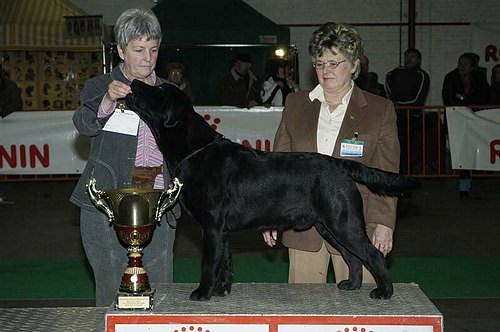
{"points": [[332, 64]]}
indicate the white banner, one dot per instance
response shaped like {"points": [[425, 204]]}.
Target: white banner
{"points": [[474, 138], [41, 143]]}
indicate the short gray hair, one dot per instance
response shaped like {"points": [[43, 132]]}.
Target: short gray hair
{"points": [[339, 35], [137, 23]]}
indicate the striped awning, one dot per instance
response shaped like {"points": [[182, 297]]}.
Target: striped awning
{"points": [[47, 25]]}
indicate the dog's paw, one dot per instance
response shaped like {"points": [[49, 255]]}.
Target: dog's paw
{"points": [[221, 290], [380, 294], [200, 295], [348, 285]]}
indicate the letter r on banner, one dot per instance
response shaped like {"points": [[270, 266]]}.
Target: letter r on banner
{"points": [[494, 150]]}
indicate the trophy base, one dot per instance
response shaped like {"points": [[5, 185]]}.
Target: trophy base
{"points": [[129, 301]]}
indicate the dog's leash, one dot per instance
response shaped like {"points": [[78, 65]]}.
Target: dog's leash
{"points": [[192, 154], [172, 173]]}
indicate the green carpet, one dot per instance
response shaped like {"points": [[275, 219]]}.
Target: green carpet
{"points": [[72, 279]]}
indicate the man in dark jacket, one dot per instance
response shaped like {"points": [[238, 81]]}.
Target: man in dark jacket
{"points": [[408, 85], [239, 87], [10, 95], [10, 101]]}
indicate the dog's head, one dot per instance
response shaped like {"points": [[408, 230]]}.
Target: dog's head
{"points": [[170, 115], [158, 106]]}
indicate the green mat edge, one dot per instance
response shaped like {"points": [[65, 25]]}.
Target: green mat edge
{"points": [[438, 277]]}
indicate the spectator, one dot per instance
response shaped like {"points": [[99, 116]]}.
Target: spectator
{"points": [[279, 84], [10, 95], [239, 87], [480, 71], [463, 86], [122, 160], [10, 101], [176, 75], [337, 111], [408, 85], [367, 80], [494, 93]]}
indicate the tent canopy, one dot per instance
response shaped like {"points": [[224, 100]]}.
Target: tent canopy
{"points": [[201, 22], [43, 25]]}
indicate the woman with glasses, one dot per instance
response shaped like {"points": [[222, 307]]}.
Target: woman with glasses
{"points": [[339, 119]]}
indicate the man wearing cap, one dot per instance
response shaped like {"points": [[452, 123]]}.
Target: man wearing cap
{"points": [[239, 87]]}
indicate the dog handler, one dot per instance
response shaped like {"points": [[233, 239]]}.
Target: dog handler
{"points": [[122, 155], [339, 119]]}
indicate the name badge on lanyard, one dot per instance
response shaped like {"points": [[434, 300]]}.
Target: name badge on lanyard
{"points": [[352, 147]]}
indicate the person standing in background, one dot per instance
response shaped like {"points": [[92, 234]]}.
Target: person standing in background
{"points": [[129, 159], [494, 92], [239, 87], [10, 101], [368, 80], [408, 85], [10, 95], [464, 87], [176, 75], [279, 84], [337, 118]]}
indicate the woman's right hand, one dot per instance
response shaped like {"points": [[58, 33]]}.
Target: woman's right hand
{"points": [[270, 236], [117, 90]]}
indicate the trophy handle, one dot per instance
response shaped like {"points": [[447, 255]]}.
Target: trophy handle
{"points": [[98, 197], [175, 191]]}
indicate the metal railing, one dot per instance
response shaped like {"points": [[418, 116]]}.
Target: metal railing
{"points": [[424, 144]]}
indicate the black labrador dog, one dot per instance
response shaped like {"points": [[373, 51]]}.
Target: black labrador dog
{"points": [[229, 187]]}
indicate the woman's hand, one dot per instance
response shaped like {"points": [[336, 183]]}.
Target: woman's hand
{"points": [[382, 238], [270, 236], [117, 90]]}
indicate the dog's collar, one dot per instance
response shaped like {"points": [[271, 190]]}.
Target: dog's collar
{"points": [[218, 138]]}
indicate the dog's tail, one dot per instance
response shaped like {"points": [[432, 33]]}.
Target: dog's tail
{"points": [[379, 181]]}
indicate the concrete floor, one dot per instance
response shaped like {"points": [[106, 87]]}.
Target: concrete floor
{"points": [[433, 222]]}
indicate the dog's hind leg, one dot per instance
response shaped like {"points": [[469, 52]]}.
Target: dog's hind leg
{"points": [[354, 263], [356, 251], [375, 263], [214, 245]]}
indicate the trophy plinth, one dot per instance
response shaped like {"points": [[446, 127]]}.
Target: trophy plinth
{"points": [[134, 213]]}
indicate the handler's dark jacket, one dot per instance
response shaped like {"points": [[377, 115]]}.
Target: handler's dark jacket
{"points": [[112, 155], [374, 119]]}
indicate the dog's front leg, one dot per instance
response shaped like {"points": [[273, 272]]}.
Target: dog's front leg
{"points": [[225, 272], [214, 244]]}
